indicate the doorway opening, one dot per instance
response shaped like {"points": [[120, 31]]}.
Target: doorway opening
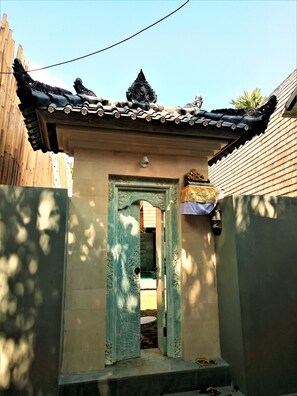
{"points": [[148, 279], [124, 265]]}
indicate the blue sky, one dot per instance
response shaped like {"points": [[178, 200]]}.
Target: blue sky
{"points": [[215, 48]]}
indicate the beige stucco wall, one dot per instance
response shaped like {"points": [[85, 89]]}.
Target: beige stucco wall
{"points": [[84, 332], [199, 291]]}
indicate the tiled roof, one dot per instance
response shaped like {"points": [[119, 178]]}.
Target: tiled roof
{"points": [[235, 126], [266, 165], [291, 105]]}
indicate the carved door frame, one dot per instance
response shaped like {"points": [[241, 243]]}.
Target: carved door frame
{"points": [[163, 194]]}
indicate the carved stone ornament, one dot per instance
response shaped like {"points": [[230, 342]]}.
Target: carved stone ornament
{"points": [[140, 91], [194, 176]]}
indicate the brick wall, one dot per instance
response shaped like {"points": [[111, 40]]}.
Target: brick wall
{"points": [[266, 165]]}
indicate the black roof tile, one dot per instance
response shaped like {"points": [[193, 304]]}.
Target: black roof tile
{"points": [[140, 105]]}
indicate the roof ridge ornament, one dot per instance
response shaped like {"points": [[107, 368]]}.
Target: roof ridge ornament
{"points": [[24, 80], [197, 104], [140, 92], [81, 89]]}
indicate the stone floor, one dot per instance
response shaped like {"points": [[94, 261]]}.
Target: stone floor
{"points": [[150, 375]]}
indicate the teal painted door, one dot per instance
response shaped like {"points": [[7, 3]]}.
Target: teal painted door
{"points": [[161, 286], [127, 295], [123, 257]]}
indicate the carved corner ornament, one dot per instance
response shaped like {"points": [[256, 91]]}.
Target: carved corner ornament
{"points": [[140, 92], [26, 82]]}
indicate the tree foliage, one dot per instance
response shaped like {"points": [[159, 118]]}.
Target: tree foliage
{"points": [[249, 99]]}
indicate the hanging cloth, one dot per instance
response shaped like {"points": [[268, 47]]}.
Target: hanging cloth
{"points": [[199, 199]]}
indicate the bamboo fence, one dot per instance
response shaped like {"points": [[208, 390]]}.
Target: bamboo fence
{"points": [[19, 164]]}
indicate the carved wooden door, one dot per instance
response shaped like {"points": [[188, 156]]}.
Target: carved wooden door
{"points": [[161, 285], [123, 258], [128, 283]]}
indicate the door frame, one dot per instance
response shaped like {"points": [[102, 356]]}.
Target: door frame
{"points": [[163, 194]]}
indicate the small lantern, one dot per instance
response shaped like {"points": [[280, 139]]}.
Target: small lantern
{"points": [[216, 220]]}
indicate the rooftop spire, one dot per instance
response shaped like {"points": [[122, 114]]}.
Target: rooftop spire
{"points": [[140, 91]]}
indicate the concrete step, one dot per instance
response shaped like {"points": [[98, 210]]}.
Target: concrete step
{"points": [[224, 391], [151, 374]]}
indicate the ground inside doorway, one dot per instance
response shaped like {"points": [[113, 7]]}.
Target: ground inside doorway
{"points": [[149, 338]]}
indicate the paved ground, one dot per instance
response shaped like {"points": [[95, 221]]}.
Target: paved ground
{"points": [[148, 297], [225, 391]]}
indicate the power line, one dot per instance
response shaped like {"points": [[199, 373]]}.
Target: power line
{"points": [[109, 47]]}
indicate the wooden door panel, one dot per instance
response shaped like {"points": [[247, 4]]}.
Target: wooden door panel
{"points": [[128, 283], [161, 297], [123, 256]]}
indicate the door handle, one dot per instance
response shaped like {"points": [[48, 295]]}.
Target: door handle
{"points": [[137, 270]]}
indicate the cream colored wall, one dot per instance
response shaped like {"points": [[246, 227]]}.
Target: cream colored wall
{"points": [[84, 335], [199, 289]]}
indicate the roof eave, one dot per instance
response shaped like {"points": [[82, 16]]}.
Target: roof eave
{"points": [[44, 107]]}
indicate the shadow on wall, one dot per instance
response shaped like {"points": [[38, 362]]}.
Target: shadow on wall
{"points": [[257, 205], [257, 292], [32, 249], [200, 285], [85, 286], [87, 236]]}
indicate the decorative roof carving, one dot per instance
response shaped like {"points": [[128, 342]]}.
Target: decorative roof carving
{"points": [[268, 108], [197, 104], [81, 89], [141, 92], [24, 80]]}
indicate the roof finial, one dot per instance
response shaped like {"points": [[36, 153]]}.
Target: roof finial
{"points": [[140, 91]]}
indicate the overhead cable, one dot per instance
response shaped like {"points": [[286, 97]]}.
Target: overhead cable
{"points": [[106, 48]]}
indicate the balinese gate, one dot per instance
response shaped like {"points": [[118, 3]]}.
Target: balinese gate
{"points": [[123, 273]]}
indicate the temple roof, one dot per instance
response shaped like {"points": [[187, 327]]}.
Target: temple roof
{"points": [[139, 112]]}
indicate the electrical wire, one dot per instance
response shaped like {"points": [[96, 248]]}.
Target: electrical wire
{"points": [[106, 48]]}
